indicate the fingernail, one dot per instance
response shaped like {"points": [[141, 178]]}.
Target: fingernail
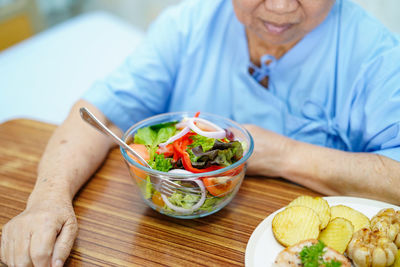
{"points": [[59, 263]]}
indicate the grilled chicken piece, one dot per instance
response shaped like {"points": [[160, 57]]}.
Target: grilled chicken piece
{"points": [[290, 255]]}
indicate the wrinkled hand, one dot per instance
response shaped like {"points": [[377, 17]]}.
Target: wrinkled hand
{"points": [[271, 152], [42, 235]]}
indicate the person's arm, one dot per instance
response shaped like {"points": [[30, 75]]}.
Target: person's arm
{"points": [[326, 170], [43, 234]]}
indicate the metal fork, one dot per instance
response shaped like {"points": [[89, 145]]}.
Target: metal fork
{"points": [[161, 183], [169, 187]]}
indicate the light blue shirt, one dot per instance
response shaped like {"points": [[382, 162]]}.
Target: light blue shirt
{"points": [[338, 87]]}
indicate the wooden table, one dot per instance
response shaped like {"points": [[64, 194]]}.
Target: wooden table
{"points": [[116, 228]]}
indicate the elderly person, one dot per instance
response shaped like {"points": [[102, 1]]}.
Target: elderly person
{"points": [[317, 84]]}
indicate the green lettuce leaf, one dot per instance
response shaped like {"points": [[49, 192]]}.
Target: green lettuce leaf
{"points": [[204, 142], [145, 136], [157, 127], [161, 163], [211, 203], [184, 200], [163, 134], [221, 154], [149, 189], [229, 156], [151, 136]]}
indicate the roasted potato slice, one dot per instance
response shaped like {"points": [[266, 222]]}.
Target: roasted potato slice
{"points": [[295, 224], [319, 205], [358, 219], [337, 234]]}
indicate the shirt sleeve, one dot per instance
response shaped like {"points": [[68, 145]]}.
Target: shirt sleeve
{"points": [[377, 106], [141, 87]]}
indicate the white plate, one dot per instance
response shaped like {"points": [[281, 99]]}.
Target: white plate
{"points": [[263, 248]]}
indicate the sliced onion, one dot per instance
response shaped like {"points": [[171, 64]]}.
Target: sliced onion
{"points": [[190, 125], [218, 134], [194, 207], [181, 124], [180, 171], [175, 137]]}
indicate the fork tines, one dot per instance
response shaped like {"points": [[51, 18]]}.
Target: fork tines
{"points": [[169, 187]]}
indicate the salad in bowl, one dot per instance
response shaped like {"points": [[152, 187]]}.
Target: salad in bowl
{"points": [[197, 162]]}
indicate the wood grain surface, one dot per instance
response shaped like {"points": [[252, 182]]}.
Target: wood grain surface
{"points": [[116, 228]]}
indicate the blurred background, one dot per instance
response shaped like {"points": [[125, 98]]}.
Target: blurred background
{"points": [[20, 19], [51, 51], [32, 16]]}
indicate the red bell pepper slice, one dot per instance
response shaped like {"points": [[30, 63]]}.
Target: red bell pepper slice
{"points": [[180, 147], [167, 151]]}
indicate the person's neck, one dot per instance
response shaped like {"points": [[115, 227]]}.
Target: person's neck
{"points": [[258, 48]]}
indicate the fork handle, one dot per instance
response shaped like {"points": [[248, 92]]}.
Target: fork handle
{"points": [[92, 120]]}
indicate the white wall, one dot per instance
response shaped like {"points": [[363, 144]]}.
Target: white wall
{"points": [[138, 12], [49, 6], [388, 11], [41, 77]]}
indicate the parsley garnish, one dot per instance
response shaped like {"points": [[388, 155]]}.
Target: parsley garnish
{"points": [[333, 263], [311, 256]]}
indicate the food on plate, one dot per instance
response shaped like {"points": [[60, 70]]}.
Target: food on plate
{"points": [[318, 204], [310, 253], [349, 233], [295, 224], [371, 248], [397, 260], [337, 234], [358, 219], [377, 246], [191, 146], [387, 221]]}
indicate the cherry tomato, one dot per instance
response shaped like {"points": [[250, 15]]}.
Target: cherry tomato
{"points": [[234, 172], [157, 199], [144, 153], [220, 186]]}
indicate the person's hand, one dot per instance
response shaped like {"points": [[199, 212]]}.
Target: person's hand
{"points": [[42, 235], [271, 152]]}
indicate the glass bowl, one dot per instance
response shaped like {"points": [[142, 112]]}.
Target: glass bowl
{"points": [[196, 194]]}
